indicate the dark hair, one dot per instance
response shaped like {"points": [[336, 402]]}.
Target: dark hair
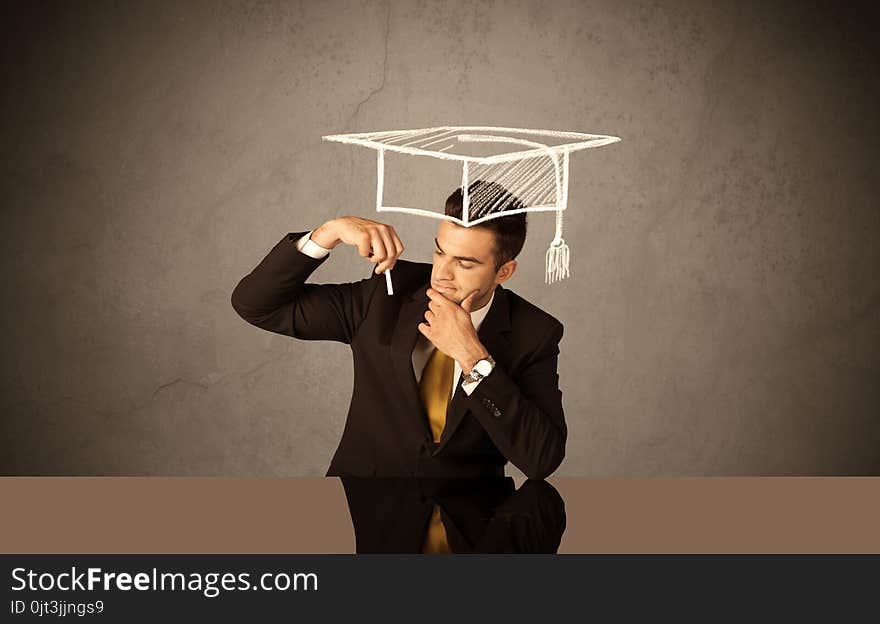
{"points": [[510, 230]]}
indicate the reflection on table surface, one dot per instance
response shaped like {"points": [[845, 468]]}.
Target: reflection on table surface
{"points": [[481, 515]]}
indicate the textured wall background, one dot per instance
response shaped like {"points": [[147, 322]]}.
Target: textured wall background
{"points": [[723, 313]]}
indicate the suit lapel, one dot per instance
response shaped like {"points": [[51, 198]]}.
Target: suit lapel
{"points": [[491, 334], [403, 341]]}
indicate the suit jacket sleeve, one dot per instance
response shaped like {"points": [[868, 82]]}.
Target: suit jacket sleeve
{"points": [[275, 297], [524, 417]]}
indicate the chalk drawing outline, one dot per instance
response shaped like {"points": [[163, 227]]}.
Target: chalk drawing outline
{"points": [[529, 182]]}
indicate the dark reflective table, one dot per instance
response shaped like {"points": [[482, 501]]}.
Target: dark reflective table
{"points": [[485, 515]]}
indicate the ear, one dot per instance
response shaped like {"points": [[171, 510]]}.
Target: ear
{"points": [[505, 271]]}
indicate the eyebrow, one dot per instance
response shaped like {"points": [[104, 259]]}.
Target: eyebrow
{"points": [[465, 258]]}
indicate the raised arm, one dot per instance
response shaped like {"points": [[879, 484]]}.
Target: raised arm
{"points": [[275, 297], [523, 416]]}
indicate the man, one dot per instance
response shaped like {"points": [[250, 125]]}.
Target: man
{"points": [[454, 375]]}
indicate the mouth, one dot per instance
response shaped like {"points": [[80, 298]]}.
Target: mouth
{"points": [[442, 289]]}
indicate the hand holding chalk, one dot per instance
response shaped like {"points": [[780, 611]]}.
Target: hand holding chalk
{"points": [[376, 241]]}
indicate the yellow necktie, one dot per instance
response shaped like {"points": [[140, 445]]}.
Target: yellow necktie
{"points": [[435, 539], [435, 388]]}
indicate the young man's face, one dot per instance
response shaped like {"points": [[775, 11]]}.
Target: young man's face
{"points": [[464, 261]]}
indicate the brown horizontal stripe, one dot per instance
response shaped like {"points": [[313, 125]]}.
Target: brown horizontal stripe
{"points": [[310, 515]]}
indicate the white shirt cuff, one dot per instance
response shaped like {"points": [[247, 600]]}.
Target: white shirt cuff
{"points": [[310, 247], [470, 386]]}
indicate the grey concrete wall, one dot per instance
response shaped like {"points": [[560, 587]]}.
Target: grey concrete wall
{"points": [[723, 312]]}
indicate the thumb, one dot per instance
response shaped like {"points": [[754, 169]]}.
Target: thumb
{"points": [[468, 302]]}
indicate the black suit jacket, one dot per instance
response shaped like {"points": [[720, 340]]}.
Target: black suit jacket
{"points": [[513, 414]]}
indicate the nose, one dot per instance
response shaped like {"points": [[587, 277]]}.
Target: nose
{"points": [[442, 270]]}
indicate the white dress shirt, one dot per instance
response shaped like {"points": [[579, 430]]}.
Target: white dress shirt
{"points": [[424, 347]]}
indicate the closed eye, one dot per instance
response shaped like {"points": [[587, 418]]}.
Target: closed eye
{"points": [[464, 263]]}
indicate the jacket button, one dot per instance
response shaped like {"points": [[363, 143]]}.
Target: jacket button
{"points": [[497, 413]]}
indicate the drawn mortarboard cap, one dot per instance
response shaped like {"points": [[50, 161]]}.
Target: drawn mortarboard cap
{"points": [[503, 171]]}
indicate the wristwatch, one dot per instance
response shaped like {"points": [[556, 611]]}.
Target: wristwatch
{"points": [[480, 370]]}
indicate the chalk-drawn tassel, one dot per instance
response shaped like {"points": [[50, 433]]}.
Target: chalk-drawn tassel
{"points": [[557, 257], [557, 261]]}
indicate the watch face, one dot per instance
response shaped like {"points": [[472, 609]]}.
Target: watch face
{"points": [[483, 367]]}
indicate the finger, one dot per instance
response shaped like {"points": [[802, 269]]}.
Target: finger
{"points": [[430, 317], [440, 300], [398, 244], [468, 301], [425, 329], [378, 253], [363, 244], [436, 297], [390, 251]]}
